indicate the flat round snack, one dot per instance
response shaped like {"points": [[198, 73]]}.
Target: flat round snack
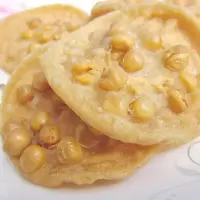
{"points": [[23, 32], [50, 145], [133, 75]]}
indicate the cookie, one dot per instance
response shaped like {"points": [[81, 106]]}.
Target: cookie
{"points": [[133, 75], [50, 145], [23, 32]]}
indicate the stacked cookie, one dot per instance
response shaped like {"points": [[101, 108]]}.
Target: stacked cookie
{"points": [[23, 32], [101, 101]]}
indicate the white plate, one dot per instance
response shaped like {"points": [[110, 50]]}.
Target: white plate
{"points": [[170, 176]]}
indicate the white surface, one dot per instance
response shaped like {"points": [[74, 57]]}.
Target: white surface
{"points": [[170, 176]]}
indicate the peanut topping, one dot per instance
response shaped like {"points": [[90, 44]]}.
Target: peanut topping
{"points": [[16, 141], [81, 68], [49, 135], [132, 61], [122, 43], [46, 37], [27, 35], [68, 150], [177, 101], [143, 108], [38, 120], [32, 159], [113, 79], [176, 58], [84, 79]]}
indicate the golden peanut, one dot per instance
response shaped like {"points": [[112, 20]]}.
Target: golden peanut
{"points": [[85, 78], [38, 120], [113, 79], [25, 94], [177, 101], [151, 41], [176, 58], [26, 35], [68, 150], [33, 158], [45, 37], [16, 141], [40, 82], [188, 80], [34, 23], [106, 84], [143, 108], [132, 61], [81, 68], [122, 43], [49, 135]]}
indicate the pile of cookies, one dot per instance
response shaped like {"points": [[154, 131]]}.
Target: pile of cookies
{"points": [[96, 97]]}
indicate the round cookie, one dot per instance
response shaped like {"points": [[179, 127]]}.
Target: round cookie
{"points": [[133, 75], [23, 32], [50, 145]]}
